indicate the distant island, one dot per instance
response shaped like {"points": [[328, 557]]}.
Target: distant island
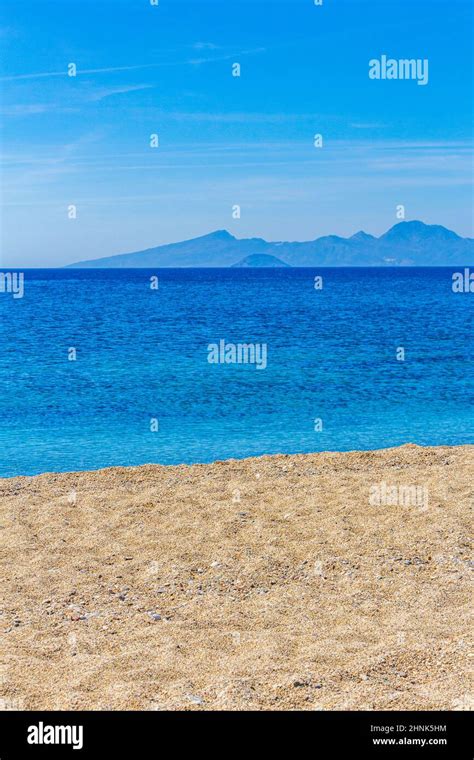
{"points": [[260, 260], [405, 244]]}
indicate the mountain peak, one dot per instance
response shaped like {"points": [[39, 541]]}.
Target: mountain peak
{"points": [[361, 236], [416, 231], [219, 235], [405, 244]]}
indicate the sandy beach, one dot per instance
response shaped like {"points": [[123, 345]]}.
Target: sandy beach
{"points": [[322, 581]]}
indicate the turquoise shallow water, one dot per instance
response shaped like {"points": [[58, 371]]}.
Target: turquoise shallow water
{"points": [[142, 354]]}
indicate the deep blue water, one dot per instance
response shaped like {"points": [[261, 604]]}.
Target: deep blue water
{"points": [[142, 354]]}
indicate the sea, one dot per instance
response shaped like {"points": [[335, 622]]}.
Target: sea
{"points": [[119, 367]]}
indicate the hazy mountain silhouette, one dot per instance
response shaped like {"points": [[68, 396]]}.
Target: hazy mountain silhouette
{"points": [[405, 244], [260, 260]]}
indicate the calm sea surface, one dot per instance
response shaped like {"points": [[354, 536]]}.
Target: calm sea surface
{"points": [[142, 355]]}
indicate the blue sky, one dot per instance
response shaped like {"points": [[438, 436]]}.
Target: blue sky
{"points": [[225, 140]]}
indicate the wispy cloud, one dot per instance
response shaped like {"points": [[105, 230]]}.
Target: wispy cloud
{"points": [[107, 92], [135, 67], [90, 96], [238, 116], [105, 70], [386, 162], [24, 109], [205, 46]]}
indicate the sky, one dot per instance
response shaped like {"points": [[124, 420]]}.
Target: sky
{"points": [[143, 69]]}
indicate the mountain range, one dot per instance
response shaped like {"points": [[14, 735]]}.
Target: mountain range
{"points": [[405, 244]]}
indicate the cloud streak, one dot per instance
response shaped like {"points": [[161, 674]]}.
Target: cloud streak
{"points": [[135, 67], [119, 90]]}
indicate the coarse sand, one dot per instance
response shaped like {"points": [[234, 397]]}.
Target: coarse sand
{"points": [[271, 583]]}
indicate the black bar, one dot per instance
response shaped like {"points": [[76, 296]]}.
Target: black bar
{"points": [[143, 734]]}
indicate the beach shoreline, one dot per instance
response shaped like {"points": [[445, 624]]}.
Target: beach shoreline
{"points": [[311, 581]]}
